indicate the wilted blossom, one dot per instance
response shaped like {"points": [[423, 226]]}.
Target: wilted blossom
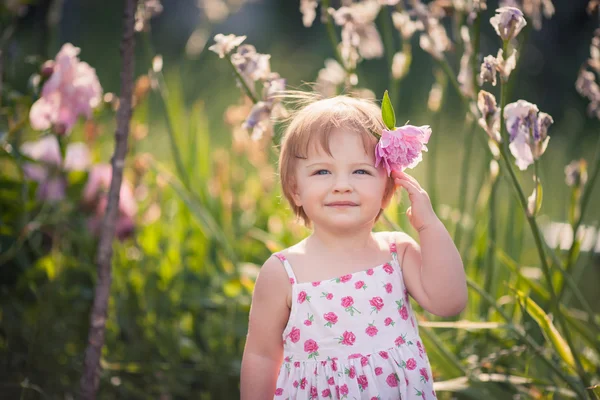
{"points": [[95, 198], [308, 10], [402, 148], [492, 64], [146, 10], [490, 115], [259, 119], [224, 44], [528, 130], [72, 90], [465, 75], [251, 65], [576, 173], [329, 78], [586, 80], [359, 33], [508, 22], [406, 26], [48, 172], [533, 9]]}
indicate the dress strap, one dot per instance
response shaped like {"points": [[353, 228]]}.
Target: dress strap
{"points": [[393, 251], [287, 266]]}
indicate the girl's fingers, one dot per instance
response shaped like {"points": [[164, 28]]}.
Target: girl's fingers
{"points": [[408, 185], [411, 178]]}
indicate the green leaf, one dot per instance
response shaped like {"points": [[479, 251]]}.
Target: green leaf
{"points": [[387, 112], [548, 328]]}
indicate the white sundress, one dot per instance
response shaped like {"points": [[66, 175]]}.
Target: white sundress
{"points": [[353, 337]]}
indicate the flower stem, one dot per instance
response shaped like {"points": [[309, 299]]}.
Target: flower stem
{"points": [[536, 235], [587, 193], [464, 181], [242, 81]]}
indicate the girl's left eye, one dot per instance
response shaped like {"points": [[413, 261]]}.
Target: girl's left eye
{"points": [[362, 172]]}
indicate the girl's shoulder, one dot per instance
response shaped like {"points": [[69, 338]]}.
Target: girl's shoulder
{"points": [[400, 239]]}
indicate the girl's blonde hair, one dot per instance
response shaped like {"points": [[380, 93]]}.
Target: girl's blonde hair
{"points": [[311, 127]]}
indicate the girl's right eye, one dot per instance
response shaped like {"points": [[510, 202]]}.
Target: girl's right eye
{"points": [[321, 172]]}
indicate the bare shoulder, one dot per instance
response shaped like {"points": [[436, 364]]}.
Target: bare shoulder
{"points": [[272, 274], [401, 239]]}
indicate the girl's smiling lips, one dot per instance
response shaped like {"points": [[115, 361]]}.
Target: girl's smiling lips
{"points": [[341, 203]]}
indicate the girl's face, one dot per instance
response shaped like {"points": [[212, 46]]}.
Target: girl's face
{"points": [[344, 191]]}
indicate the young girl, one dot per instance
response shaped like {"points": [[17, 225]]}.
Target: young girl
{"points": [[331, 316]]}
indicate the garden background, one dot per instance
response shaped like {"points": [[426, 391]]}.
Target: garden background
{"points": [[202, 210]]}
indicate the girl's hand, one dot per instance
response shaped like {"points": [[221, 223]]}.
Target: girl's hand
{"points": [[420, 213]]}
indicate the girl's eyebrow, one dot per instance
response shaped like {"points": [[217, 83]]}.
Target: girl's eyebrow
{"points": [[327, 163]]}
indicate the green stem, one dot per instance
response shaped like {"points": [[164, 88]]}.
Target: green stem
{"points": [[464, 181], [523, 336], [537, 236], [242, 81], [491, 265], [333, 39], [452, 76], [587, 193], [388, 44]]}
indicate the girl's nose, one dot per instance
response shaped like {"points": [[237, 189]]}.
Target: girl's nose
{"points": [[342, 185]]}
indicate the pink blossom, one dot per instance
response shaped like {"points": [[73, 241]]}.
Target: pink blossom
{"points": [[295, 384], [307, 322], [72, 90], [344, 389], [401, 148], [310, 346], [334, 366], [359, 284], [48, 173], [326, 393], [95, 196], [388, 287], [345, 278], [371, 330], [362, 381], [331, 317], [355, 355], [388, 321], [315, 284], [403, 312], [295, 335], [301, 297], [399, 341], [331, 381], [313, 392], [388, 268], [329, 296], [348, 338], [411, 364], [364, 361], [347, 301], [297, 364], [384, 354], [377, 303], [352, 372], [378, 371], [392, 380], [278, 392], [424, 374], [370, 271], [303, 383]]}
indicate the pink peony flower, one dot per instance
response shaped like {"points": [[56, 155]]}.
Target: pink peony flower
{"points": [[411, 364], [344, 389], [310, 346], [388, 321], [347, 301], [329, 296], [72, 90], [403, 313], [401, 148], [388, 287], [295, 335], [362, 381], [388, 268], [378, 371], [392, 380], [301, 297], [331, 318], [348, 338], [371, 330], [377, 303], [370, 271], [326, 393], [359, 284], [364, 361], [399, 341]]}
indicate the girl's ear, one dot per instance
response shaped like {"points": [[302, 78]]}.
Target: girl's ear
{"points": [[295, 194]]}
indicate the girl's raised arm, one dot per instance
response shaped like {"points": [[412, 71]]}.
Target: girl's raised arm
{"points": [[269, 314]]}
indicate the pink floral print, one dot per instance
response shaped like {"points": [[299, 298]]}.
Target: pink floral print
{"points": [[353, 337]]}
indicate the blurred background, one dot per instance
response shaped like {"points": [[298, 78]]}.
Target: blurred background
{"points": [[207, 209]]}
